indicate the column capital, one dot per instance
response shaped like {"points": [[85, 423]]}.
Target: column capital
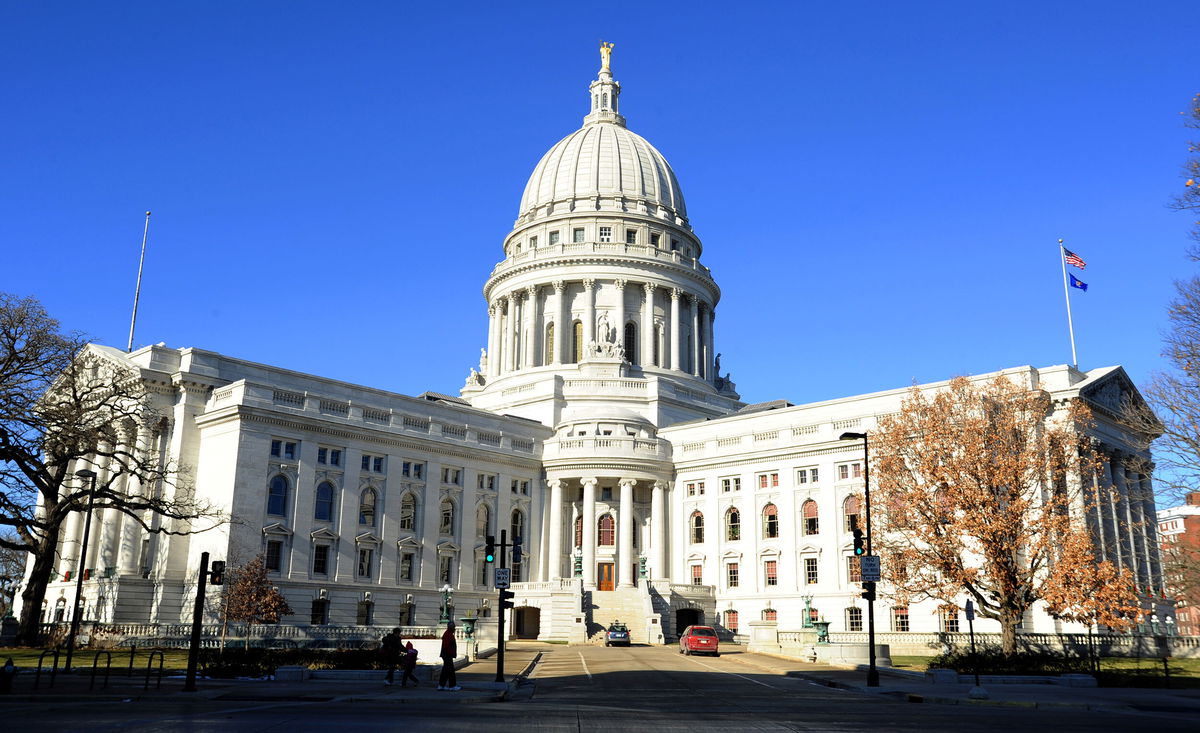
{"points": [[590, 481], [649, 288], [662, 485], [512, 296], [531, 291], [589, 283], [555, 483], [629, 481], [676, 293], [619, 283], [559, 286], [491, 311]]}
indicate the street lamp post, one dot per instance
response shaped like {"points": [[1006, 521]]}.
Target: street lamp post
{"points": [[872, 671], [446, 603], [87, 527]]}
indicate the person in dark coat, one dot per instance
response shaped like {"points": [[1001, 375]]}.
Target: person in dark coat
{"points": [[392, 647], [408, 665], [449, 651]]}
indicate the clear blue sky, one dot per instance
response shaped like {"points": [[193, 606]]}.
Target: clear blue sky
{"points": [[879, 186]]}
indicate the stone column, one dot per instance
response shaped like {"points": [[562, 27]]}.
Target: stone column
{"points": [[589, 317], [1125, 516], [676, 330], [658, 531], [589, 532], [129, 546], [511, 326], [530, 327], [493, 365], [711, 350], [556, 529], [561, 327], [1098, 517], [619, 315], [1142, 531], [1152, 540], [696, 336], [625, 556], [99, 548], [646, 358]]}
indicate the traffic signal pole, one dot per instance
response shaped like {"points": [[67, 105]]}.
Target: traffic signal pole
{"points": [[197, 617], [500, 622]]}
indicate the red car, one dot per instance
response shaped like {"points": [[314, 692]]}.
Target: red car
{"points": [[699, 640]]}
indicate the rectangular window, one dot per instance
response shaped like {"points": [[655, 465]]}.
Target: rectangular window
{"points": [[366, 613], [274, 558], [320, 560], [854, 619], [843, 473], [770, 614], [285, 449], [731, 621], [768, 480], [366, 462], [731, 574], [731, 484], [848, 471], [605, 234], [365, 558], [606, 493], [810, 571], [854, 568], [577, 235], [700, 488], [413, 469], [452, 476], [771, 568], [487, 481], [630, 236], [320, 612], [525, 488], [445, 564], [691, 489], [697, 575], [406, 566], [553, 241], [533, 243], [322, 455], [948, 618], [806, 475], [674, 245], [900, 618]]}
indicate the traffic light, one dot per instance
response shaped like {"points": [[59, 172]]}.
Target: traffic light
{"points": [[506, 597], [858, 542], [489, 550], [516, 555], [218, 572], [869, 590]]}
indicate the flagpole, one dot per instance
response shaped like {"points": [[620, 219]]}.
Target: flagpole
{"points": [[138, 289], [1062, 258]]}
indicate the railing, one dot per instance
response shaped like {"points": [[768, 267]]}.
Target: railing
{"points": [[454, 432], [568, 249], [290, 399], [522, 444], [489, 438], [592, 384], [107, 668], [178, 636], [150, 666], [335, 408], [37, 678], [383, 416]]}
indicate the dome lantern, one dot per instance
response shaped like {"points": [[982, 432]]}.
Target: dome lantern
{"points": [[604, 92]]}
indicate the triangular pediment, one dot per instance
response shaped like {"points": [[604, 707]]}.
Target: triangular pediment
{"points": [[324, 533], [367, 538], [277, 529], [408, 542], [448, 546]]}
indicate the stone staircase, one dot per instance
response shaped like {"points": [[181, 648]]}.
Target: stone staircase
{"points": [[627, 605]]}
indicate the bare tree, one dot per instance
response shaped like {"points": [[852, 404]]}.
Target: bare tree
{"points": [[12, 570], [976, 496], [64, 407]]}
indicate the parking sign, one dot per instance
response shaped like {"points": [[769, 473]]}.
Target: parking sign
{"points": [[870, 568]]}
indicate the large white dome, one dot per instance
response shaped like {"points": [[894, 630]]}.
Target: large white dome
{"points": [[603, 160]]}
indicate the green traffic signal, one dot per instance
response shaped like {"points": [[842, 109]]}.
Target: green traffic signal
{"points": [[489, 550], [858, 542]]}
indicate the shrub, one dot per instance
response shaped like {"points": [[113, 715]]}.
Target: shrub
{"points": [[991, 660]]}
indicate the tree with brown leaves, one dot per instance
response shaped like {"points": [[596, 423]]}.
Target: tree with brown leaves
{"points": [[63, 408], [978, 491], [248, 597]]}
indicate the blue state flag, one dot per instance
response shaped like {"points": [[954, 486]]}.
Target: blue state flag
{"points": [[1077, 283]]}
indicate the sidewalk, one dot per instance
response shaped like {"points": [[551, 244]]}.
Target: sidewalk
{"points": [[912, 688], [477, 679]]}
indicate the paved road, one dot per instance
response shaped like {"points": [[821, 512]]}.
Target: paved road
{"points": [[578, 689]]}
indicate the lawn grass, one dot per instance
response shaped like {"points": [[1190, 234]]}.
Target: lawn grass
{"points": [[173, 659], [1118, 671]]}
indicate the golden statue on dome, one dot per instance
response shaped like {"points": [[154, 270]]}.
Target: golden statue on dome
{"points": [[605, 55]]}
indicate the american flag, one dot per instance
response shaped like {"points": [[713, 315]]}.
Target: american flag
{"points": [[1073, 259]]}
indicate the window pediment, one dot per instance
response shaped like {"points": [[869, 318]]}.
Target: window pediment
{"points": [[696, 556], [408, 543], [323, 534], [276, 528], [731, 555], [769, 552], [448, 547], [367, 538]]}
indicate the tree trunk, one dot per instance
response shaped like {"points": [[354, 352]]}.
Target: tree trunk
{"points": [[30, 629], [1008, 631]]}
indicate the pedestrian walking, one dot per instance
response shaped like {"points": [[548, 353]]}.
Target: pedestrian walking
{"points": [[408, 665], [391, 648], [449, 651]]}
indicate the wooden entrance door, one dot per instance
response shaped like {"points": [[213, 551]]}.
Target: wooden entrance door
{"points": [[604, 576]]}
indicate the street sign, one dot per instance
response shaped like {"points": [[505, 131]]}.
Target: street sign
{"points": [[503, 577], [870, 568], [970, 610]]}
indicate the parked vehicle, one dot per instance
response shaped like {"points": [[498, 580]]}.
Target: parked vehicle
{"points": [[617, 635], [699, 640]]}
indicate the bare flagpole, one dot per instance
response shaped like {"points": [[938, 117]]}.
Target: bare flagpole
{"points": [[138, 290], [1062, 258]]}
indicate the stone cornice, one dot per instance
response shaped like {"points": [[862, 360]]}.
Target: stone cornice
{"points": [[661, 269]]}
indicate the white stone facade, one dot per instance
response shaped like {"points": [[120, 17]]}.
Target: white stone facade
{"points": [[596, 428]]}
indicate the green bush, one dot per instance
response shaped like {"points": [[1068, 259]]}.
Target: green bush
{"points": [[991, 660], [258, 662]]}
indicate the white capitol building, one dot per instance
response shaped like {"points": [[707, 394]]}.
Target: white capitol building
{"points": [[598, 429]]}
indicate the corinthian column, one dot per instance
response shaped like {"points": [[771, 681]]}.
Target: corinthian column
{"points": [[562, 327], [512, 358], [493, 365], [647, 356], [589, 532], [676, 330], [625, 558], [556, 529], [589, 314], [530, 328], [619, 315], [658, 531], [711, 355], [695, 336]]}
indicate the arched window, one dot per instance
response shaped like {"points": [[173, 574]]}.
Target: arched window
{"points": [[549, 344], [852, 509], [697, 527], [323, 510], [605, 98], [366, 508], [631, 343], [517, 527], [482, 521], [808, 512], [277, 496], [770, 517], [577, 342], [446, 525], [579, 531], [733, 525], [607, 529], [408, 512]]}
